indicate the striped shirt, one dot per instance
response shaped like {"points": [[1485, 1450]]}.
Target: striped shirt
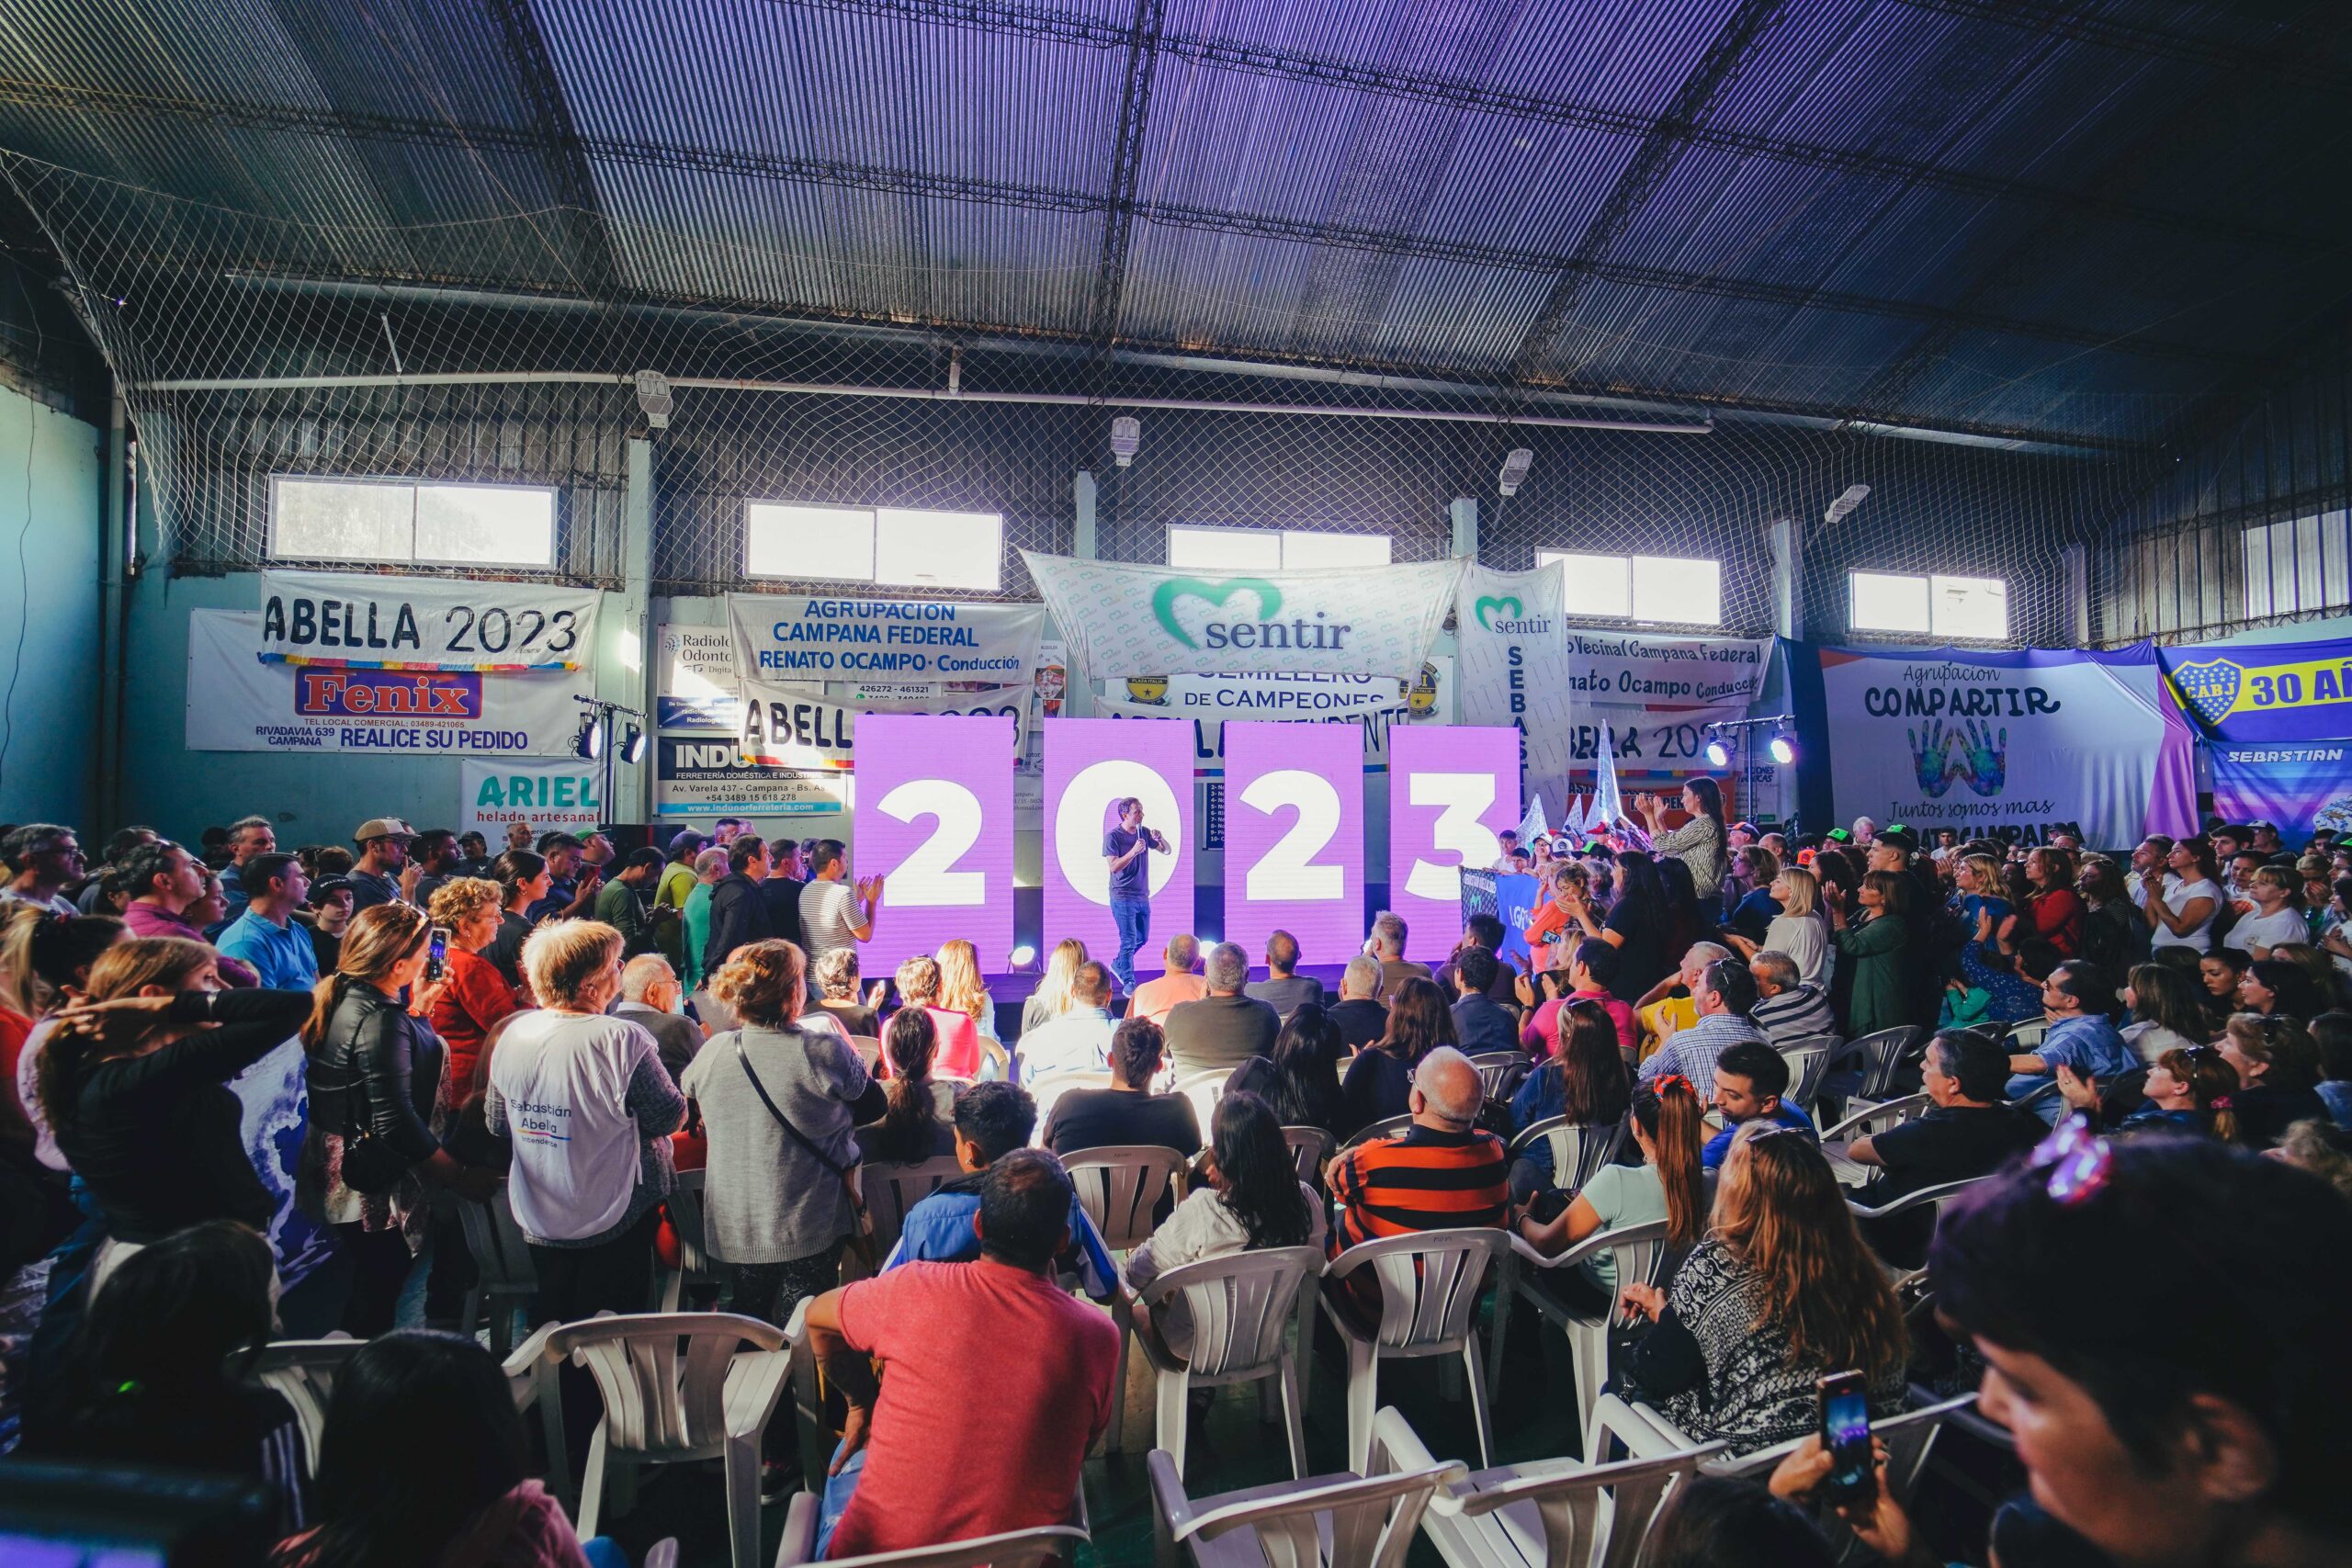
{"points": [[1425, 1180], [1790, 1014]]}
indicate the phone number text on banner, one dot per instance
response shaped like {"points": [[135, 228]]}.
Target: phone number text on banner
{"points": [[357, 621], [235, 704]]}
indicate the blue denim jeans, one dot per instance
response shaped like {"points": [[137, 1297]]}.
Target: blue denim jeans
{"points": [[1134, 917], [839, 1490]]}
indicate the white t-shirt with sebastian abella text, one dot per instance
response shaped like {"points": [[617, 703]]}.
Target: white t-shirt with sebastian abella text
{"points": [[565, 1081]]}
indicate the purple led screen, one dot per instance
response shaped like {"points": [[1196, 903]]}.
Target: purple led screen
{"points": [[1090, 763], [1452, 790], [934, 817], [1294, 836]]}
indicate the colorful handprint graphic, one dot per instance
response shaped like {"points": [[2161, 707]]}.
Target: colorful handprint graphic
{"points": [[1972, 753]]}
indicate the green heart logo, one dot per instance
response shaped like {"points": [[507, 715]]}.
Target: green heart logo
{"points": [[1164, 597], [1484, 609]]}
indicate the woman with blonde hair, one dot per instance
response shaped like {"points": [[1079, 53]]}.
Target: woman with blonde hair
{"points": [[376, 1072], [475, 994], [134, 1082], [781, 1103], [590, 1110], [1781, 1292], [961, 990], [1798, 930], [1051, 999], [960, 1052]]}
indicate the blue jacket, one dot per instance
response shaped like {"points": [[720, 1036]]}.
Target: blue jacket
{"points": [[940, 1230], [1718, 1147]]}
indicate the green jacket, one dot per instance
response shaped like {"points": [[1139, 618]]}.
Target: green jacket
{"points": [[1880, 998], [619, 907]]}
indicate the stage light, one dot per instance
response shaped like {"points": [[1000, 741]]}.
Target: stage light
{"points": [[632, 750], [1784, 748], [1843, 507], [1717, 752], [589, 743], [1515, 467], [1127, 438], [1023, 956], [654, 399]]}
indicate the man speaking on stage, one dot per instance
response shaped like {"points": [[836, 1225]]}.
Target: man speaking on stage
{"points": [[1123, 850]]}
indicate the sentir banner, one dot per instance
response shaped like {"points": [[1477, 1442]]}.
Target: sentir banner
{"points": [[1123, 619], [810, 641], [237, 703], [362, 621]]}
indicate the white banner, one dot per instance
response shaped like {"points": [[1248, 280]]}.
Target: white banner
{"points": [[1629, 669], [365, 622], [237, 703], [696, 687], [1139, 620], [1514, 659], [551, 797], [807, 640], [1371, 703], [707, 778], [2027, 742]]}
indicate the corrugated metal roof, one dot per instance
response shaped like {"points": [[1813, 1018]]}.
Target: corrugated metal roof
{"points": [[1869, 216]]}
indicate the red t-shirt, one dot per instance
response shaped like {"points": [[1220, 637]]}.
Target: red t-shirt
{"points": [[994, 1383], [955, 1054], [2057, 917]]}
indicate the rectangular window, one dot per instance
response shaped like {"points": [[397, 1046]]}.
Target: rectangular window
{"points": [[2297, 566], [1200, 547], [1972, 609], [1667, 590], [888, 545], [407, 521]]}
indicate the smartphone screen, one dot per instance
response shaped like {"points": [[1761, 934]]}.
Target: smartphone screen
{"points": [[438, 953], [1846, 1432]]}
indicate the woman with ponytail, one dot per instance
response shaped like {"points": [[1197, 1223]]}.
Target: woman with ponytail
{"points": [[44, 966], [134, 1081], [2191, 1089], [1669, 1128], [918, 1123], [375, 1072]]}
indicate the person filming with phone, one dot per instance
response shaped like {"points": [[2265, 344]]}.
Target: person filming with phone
{"points": [[1124, 848]]}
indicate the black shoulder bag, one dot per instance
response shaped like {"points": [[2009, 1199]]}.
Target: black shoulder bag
{"points": [[860, 1243]]}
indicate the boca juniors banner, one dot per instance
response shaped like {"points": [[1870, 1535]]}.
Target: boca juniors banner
{"points": [[1122, 619], [2018, 743], [808, 641], [2275, 692], [236, 703], [355, 620]]}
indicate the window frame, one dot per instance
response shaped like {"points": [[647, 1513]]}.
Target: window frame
{"points": [[1633, 616], [1282, 536], [2329, 532], [874, 512], [1929, 581], [274, 556]]}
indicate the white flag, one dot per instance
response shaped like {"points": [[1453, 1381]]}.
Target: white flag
{"points": [[1608, 805], [1533, 825]]}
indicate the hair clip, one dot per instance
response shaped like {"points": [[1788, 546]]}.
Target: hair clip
{"points": [[2224, 1102], [2078, 1161], [1674, 1080]]}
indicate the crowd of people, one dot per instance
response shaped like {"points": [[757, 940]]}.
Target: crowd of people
{"points": [[2146, 1054]]}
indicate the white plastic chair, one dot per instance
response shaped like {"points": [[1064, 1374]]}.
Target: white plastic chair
{"points": [[1203, 1088], [1934, 1197], [302, 1371], [868, 1048], [1639, 1254], [1239, 1305], [1495, 1065], [663, 1406], [685, 1218], [1428, 1301], [1345, 1520], [504, 1280], [1312, 1147], [1579, 1149], [1030, 1548], [1547, 1514], [2026, 1036], [892, 1190], [1119, 1186], [1808, 1059], [1386, 1127], [1869, 1121], [1879, 1055], [1051, 1088]]}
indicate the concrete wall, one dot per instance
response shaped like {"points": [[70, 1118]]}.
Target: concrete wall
{"points": [[50, 504]]}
